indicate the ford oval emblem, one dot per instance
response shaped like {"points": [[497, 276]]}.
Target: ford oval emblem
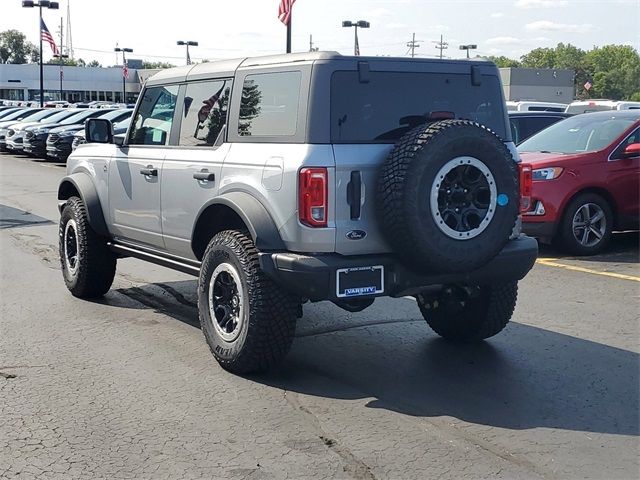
{"points": [[356, 234]]}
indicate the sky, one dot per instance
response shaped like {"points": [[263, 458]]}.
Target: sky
{"points": [[237, 28]]}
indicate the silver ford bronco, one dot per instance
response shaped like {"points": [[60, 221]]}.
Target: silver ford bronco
{"points": [[307, 177]]}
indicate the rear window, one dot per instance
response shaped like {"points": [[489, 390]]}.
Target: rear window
{"points": [[392, 103]]}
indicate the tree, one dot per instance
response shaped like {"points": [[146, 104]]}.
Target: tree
{"points": [[94, 64], [156, 65], [14, 48], [615, 71], [539, 58], [504, 62], [67, 62], [249, 106]]}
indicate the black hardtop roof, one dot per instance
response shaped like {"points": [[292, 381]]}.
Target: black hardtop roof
{"points": [[228, 67]]}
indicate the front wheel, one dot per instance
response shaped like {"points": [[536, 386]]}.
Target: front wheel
{"points": [[248, 321], [469, 314], [88, 266], [586, 225]]}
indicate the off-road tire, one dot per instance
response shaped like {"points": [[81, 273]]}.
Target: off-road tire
{"points": [[269, 313], [472, 319], [407, 179], [96, 264], [566, 239]]}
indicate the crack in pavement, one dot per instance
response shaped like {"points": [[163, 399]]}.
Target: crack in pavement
{"points": [[352, 465]]}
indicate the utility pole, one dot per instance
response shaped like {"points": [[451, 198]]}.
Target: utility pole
{"points": [[441, 45], [413, 44]]}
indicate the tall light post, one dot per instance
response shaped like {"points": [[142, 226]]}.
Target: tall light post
{"points": [[124, 68], [361, 24], [468, 47], [187, 43], [41, 4]]}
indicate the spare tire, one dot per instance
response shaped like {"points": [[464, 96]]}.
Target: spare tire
{"points": [[448, 196]]}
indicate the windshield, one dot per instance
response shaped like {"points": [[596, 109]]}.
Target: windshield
{"points": [[80, 117], [38, 116], [19, 115], [115, 113], [392, 103], [58, 116], [583, 133]]}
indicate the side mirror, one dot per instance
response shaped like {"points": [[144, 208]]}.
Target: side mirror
{"points": [[631, 150], [98, 130]]}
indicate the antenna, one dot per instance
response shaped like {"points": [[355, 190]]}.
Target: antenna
{"points": [[69, 44]]}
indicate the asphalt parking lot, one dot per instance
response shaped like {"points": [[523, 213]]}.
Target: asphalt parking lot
{"points": [[125, 387]]}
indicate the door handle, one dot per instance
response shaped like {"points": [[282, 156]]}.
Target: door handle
{"points": [[204, 175], [149, 171]]}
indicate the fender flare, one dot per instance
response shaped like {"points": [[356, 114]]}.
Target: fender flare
{"points": [[255, 216], [82, 183]]}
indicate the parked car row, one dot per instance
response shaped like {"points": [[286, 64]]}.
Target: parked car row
{"points": [[43, 132]]}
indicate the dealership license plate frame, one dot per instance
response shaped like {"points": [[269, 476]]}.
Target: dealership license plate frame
{"points": [[368, 281]]}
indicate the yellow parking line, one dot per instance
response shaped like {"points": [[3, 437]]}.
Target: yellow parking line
{"points": [[549, 262]]}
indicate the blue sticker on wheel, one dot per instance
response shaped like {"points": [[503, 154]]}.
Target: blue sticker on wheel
{"points": [[503, 200]]}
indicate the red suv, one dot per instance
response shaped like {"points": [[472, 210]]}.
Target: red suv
{"points": [[586, 177]]}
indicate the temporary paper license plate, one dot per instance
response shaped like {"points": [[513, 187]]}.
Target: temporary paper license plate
{"points": [[360, 281]]}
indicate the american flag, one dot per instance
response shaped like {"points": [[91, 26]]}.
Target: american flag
{"points": [[125, 70], [284, 11], [46, 36]]}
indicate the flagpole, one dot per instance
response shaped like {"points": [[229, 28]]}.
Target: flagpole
{"points": [[41, 67], [289, 34]]}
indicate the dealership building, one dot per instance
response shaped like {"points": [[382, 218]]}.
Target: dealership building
{"points": [[74, 84]]}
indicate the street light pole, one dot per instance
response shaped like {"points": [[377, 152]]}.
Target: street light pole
{"points": [[361, 24], [187, 43], [40, 4], [468, 47], [124, 65]]}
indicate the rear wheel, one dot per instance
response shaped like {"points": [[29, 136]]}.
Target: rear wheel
{"points": [[469, 314], [586, 225], [248, 321]]}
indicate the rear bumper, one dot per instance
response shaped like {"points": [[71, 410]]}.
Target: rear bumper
{"points": [[315, 277]]}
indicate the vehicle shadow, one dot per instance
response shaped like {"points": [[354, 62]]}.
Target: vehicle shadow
{"points": [[526, 377], [623, 248]]}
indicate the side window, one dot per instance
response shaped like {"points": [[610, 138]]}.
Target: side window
{"points": [[533, 125], [205, 112], [633, 138], [269, 105], [152, 123]]}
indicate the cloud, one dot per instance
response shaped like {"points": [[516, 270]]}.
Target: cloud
{"points": [[437, 28], [379, 12], [497, 15], [395, 26], [504, 41], [540, 3], [548, 26]]}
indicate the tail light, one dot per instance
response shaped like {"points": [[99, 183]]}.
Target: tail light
{"points": [[313, 197], [526, 184]]}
